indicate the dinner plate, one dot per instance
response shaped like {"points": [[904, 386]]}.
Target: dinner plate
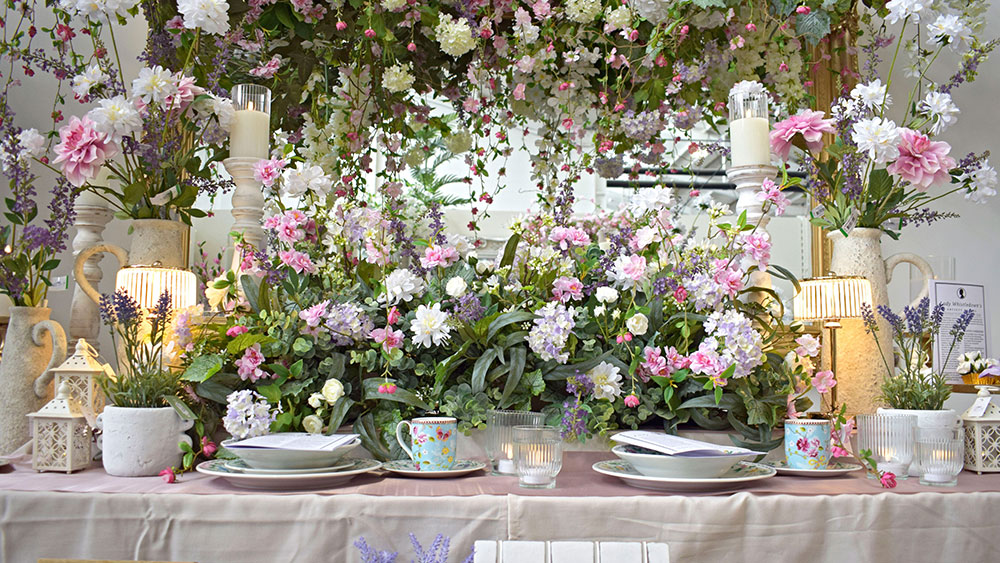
{"points": [[239, 478], [835, 469], [739, 475], [407, 468], [240, 465]]}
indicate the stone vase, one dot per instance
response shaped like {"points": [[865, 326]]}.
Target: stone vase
{"points": [[860, 363], [140, 442], [28, 354]]}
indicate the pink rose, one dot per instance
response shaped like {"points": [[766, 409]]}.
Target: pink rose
{"points": [[168, 475], [82, 150], [436, 255], [810, 124], [922, 162], [237, 330]]}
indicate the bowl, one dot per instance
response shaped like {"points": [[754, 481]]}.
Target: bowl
{"points": [[655, 464], [272, 458]]}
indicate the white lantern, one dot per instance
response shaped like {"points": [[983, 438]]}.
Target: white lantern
{"points": [[61, 436], [982, 436], [80, 372]]}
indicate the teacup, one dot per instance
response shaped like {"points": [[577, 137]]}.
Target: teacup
{"points": [[432, 442], [807, 443]]}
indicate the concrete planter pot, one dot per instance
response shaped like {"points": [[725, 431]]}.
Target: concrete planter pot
{"points": [[140, 442]]}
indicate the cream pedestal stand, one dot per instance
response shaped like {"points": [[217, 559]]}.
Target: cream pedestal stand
{"points": [[92, 216], [248, 204], [748, 180]]}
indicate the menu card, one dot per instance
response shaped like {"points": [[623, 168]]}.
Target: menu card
{"points": [[675, 445], [296, 441]]}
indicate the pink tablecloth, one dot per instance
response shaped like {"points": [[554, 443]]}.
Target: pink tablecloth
{"points": [[576, 479]]}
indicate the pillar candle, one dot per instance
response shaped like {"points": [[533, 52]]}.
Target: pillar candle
{"points": [[250, 133], [750, 141]]}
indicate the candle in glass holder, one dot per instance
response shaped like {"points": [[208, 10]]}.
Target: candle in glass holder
{"points": [[251, 129], [749, 127]]}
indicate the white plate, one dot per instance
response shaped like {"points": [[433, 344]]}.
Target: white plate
{"points": [[242, 467], [407, 468], [833, 470], [271, 458], [237, 478], [742, 473], [677, 466]]}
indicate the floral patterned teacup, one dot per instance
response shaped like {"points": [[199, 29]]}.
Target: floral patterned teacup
{"points": [[807, 443], [433, 442]]}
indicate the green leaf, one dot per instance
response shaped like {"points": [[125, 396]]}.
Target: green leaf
{"points": [[302, 346], [518, 357], [814, 26], [510, 250], [202, 368], [251, 290], [180, 407], [507, 319], [246, 340], [188, 460], [481, 367], [400, 396], [339, 412], [213, 391], [271, 392]]}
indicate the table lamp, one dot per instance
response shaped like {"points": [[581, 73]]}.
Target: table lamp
{"points": [[146, 284], [829, 299]]}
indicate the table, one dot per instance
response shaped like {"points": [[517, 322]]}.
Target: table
{"points": [[203, 519]]}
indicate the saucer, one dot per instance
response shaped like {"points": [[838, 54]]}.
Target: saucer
{"points": [[407, 468], [239, 478], [834, 469], [241, 466], [739, 475]]}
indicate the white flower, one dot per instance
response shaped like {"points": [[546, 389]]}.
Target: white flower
{"points": [[333, 389], [582, 11], [154, 84], [414, 158], [793, 360], [808, 345], [637, 324], [607, 381], [982, 182], [393, 5], [878, 137], [745, 88], [599, 311], [456, 286], [304, 178], [32, 144], [430, 324], [902, 9], [397, 78], [88, 8], [942, 111], [85, 82], [966, 361], [224, 111], [312, 424], [401, 285], [316, 400], [646, 236], [950, 28], [117, 118], [212, 16], [455, 36], [653, 199], [606, 294], [619, 18], [871, 95], [459, 141]]}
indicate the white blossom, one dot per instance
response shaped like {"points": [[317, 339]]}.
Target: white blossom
{"points": [[950, 28], [32, 144], [982, 182], [212, 16], [607, 381], [117, 118], [902, 9], [877, 137], [455, 36], [430, 325], [456, 286], [154, 84], [401, 285], [941, 109], [85, 82], [304, 178], [397, 78], [871, 95], [582, 11]]}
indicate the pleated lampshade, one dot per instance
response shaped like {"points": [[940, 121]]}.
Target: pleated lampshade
{"points": [[147, 283], [832, 297]]}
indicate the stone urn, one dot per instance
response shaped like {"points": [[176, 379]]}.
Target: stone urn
{"points": [[859, 361], [28, 355], [140, 442]]}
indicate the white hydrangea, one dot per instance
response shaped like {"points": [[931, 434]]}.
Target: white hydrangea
{"points": [[939, 107], [459, 141], [305, 177], [454, 36], [401, 285], [619, 18], [212, 16], [878, 137], [583, 11], [117, 118], [393, 5], [86, 81], [154, 84], [397, 78]]}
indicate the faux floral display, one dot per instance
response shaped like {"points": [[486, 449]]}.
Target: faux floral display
{"points": [[976, 369]]}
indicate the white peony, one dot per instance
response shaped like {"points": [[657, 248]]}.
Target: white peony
{"points": [[32, 144], [582, 11], [401, 285], [312, 424], [606, 294], [333, 389], [455, 36], [430, 325], [456, 286], [304, 178], [942, 111], [86, 81], [607, 381], [154, 84], [878, 137], [637, 324], [212, 16], [397, 78], [117, 118]]}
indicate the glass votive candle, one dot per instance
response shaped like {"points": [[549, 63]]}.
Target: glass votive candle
{"points": [[500, 436], [940, 458], [537, 456], [889, 437]]}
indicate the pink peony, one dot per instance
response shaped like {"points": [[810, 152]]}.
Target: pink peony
{"points": [[810, 124], [314, 315], [237, 330], [436, 255], [770, 192], [387, 337], [267, 171], [634, 267], [248, 367], [565, 289], [677, 360], [922, 162], [297, 261], [565, 237], [82, 150], [823, 381]]}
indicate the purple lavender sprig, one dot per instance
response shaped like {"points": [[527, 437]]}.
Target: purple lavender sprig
{"points": [[372, 555]]}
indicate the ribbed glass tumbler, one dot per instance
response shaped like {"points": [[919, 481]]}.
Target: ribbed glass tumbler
{"points": [[500, 437], [940, 458], [537, 456], [889, 437]]}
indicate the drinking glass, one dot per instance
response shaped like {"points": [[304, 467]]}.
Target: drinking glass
{"points": [[537, 456], [890, 439], [940, 458], [500, 437]]}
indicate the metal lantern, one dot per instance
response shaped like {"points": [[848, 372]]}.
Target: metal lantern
{"points": [[61, 435], [80, 372], [982, 437]]}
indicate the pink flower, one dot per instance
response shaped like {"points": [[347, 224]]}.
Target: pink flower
{"points": [[823, 381], [297, 261], [387, 337], [565, 289], [888, 479], [757, 248], [677, 360], [634, 267], [187, 91], [248, 367], [341, 26], [729, 280], [837, 451], [82, 150], [803, 10], [65, 32], [314, 315], [237, 330], [168, 475], [393, 316], [769, 191], [175, 23], [268, 69], [706, 362], [922, 162], [208, 447], [790, 406], [810, 124], [653, 364], [370, 33], [680, 294], [387, 388], [519, 92], [631, 401], [436, 255], [808, 345], [268, 171], [565, 237]]}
